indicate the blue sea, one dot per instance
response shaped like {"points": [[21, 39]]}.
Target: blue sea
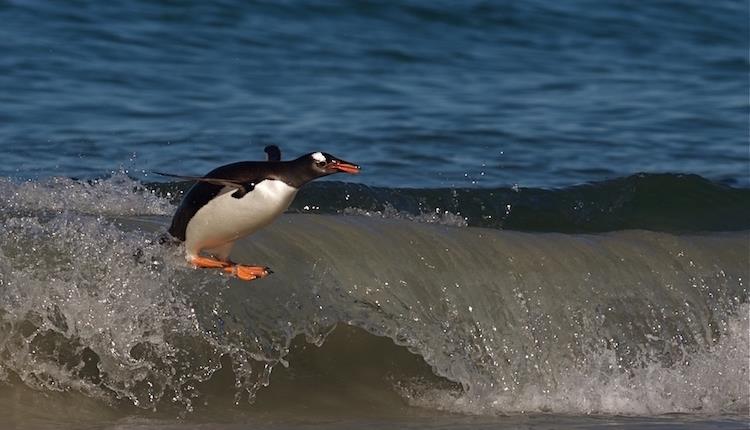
{"points": [[550, 229]]}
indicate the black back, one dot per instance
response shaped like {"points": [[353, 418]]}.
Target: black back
{"points": [[247, 173]]}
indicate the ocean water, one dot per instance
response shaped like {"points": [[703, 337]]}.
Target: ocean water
{"points": [[424, 94], [550, 230]]}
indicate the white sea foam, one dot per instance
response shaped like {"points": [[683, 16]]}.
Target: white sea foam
{"points": [[115, 195], [711, 381], [441, 217]]}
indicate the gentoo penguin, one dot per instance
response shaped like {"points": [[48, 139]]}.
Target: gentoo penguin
{"points": [[237, 199]]}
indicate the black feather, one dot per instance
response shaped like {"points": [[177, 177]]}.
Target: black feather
{"points": [[273, 152], [246, 188]]}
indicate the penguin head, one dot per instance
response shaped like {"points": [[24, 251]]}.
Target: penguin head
{"points": [[324, 164]]}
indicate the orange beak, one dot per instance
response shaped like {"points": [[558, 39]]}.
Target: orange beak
{"points": [[343, 166]]}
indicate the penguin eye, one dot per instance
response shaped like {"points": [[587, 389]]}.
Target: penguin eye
{"points": [[320, 163]]}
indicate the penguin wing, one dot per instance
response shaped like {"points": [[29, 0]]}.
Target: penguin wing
{"points": [[242, 187]]}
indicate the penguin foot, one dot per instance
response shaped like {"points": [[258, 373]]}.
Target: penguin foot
{"points": [[248, 273], [209, 263]]}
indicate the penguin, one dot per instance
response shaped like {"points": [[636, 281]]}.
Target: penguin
{"points": [[238, 199]]}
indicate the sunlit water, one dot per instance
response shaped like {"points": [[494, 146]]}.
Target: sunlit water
{"points": [[550, 230], [422, 94]]}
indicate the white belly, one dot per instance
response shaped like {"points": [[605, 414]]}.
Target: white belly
{"points": [[225, 218]]}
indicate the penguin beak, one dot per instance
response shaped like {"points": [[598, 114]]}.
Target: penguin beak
{"points": [[344, 166]]}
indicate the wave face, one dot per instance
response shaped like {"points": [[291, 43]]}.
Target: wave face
{"points": [[472, 320]]}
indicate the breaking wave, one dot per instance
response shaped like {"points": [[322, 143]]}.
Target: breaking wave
{"points": [[471, 320]]}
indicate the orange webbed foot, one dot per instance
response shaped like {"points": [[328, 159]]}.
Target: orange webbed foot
{"points": [[209, 263], [248, 273]]}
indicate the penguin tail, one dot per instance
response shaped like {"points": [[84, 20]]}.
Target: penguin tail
{"points": [[164, 239]]}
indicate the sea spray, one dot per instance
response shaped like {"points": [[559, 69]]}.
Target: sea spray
{"points": [[91, 303]]}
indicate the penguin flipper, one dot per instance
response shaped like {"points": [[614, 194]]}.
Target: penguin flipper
{"points": [[215, 181], [273, 152], [243, 189]]}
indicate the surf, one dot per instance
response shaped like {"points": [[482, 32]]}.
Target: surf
{"points": [[466, 319]]}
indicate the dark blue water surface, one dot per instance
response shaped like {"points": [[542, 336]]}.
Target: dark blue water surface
{"points": [[421, 93], [601, 146]]}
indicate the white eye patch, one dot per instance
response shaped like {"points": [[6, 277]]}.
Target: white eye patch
{"points": [[317, 156]]}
